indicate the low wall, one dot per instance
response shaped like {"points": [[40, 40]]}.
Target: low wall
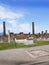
{"points": [[25, 41]]}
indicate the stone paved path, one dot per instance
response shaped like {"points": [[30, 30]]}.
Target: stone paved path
{"points": [[25, 56]]}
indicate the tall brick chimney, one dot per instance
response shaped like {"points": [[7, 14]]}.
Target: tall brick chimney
{"points": [[4, 29], [33, 28]]}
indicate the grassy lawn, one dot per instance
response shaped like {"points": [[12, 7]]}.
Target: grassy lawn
{"points": [[41, 42], [21, 45], [13, 45]]}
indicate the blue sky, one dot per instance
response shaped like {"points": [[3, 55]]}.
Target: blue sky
{"points": [[19, 15]]}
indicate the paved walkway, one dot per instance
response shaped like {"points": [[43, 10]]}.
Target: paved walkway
{"points": [[25, 56]]}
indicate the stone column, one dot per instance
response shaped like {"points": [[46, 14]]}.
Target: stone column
{"points": [[46, 36], [33, 28], [42, 34], [8, 36], [4, 28]]}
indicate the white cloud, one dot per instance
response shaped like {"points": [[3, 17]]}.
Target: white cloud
{"points": [[11, 18], [14, 25], [1, 28], [19, 27], [6, 14], [25, 27]]}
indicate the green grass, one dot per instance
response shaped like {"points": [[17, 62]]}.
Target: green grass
{"points": [[13, 45], [4, 46], [41, 42]]}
